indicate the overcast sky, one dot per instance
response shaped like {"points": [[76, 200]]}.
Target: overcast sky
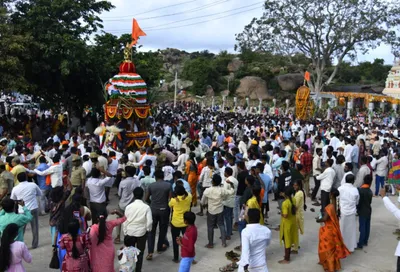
{"points": [[214, 35]]}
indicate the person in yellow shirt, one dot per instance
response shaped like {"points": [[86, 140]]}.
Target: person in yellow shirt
{"points": [[17, 168], [179, 205], [288, 228]]}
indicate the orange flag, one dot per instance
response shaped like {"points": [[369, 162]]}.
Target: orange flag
{"points": [[136, 32], [307, 76]]}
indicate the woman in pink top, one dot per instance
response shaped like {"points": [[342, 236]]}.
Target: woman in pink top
{"points": [[102, 252], [13, 252]]}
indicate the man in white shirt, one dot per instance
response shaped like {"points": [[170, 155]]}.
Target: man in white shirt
{"points": [[348, 168], [97, 193], [255, 239], [316, 168], [213, 196], [326, 179], [138, 222], [243, 146], [28, 192], [229, 202], [205, 180], [181, 161], [125, 193], [55, 171], [349, 197], [348, 150], [381, 171], [335, 143], [364, 170]]}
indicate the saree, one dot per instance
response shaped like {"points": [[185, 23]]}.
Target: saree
{"points": [[331, 247]]}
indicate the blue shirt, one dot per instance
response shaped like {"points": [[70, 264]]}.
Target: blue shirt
{"points": [[185, 185], [268, 185], [42, 179], [207, 141], [287, 135]]}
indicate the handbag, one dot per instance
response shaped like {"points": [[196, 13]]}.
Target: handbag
{"points": [[54, 263]]}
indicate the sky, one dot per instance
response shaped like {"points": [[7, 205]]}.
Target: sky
{"points": [[181, 24]]}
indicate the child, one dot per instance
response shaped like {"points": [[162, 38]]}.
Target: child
{"points": [[127, 257], [168, 171], [187, 242]]}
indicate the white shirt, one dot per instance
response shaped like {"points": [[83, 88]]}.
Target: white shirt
{"points": [[255, 238], [56, 174], [96, 189], [382, 166], [113, 167], [243, 149], [229, 201], [364, 170], [103, 162], [326, 179], [52, 153], [87, 165], [206, 177], [138, 219], [27, 191], [396, 212], [349, 197], [181, 162], [348, 150], [344, 177], [168, 172], [268, 171], [335, 143]]}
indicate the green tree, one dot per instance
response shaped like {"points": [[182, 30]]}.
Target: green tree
{"points": [[12, 50], [60, 68], [322, 30], [202, 72]]}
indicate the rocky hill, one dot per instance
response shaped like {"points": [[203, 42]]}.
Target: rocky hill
{"points": [[256, 79]]}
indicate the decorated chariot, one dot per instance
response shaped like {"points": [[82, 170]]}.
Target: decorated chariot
{"points": [[126, 109]]}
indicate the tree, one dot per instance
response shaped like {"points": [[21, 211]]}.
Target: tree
{"points": [[12, 49], [60, 69], [202, 72], [322, 30]]}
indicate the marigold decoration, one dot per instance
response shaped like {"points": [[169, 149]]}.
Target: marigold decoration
{"points": [[142, 112], [303, 103]]}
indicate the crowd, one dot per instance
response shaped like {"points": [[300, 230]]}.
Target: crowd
{"points": [[234, 166]]}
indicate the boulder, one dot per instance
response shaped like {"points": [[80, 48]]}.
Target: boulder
{"points": [[290, 82], [253, 87], [225, 93], [182, 84], [209, 91], [235, 65]]}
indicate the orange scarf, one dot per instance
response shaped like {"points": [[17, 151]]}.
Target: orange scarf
{"points": [[365, 186], [48, 177]]}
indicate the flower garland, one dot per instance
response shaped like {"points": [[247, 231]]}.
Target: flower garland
{"points": [[142, 112]]}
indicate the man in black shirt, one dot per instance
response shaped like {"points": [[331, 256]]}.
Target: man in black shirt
{"points": [[284, 181], [364, 211], [160, 192], [241, 177]]}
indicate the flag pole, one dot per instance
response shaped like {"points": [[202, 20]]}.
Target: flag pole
{"points": [[176, 88]]}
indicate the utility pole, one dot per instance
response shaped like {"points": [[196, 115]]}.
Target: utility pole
{"points": [[176, 88]]}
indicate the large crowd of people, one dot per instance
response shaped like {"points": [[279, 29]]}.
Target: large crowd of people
{"points": [[226, 166]]}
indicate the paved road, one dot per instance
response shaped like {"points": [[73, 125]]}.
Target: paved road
{"points": [[378, 256]]}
